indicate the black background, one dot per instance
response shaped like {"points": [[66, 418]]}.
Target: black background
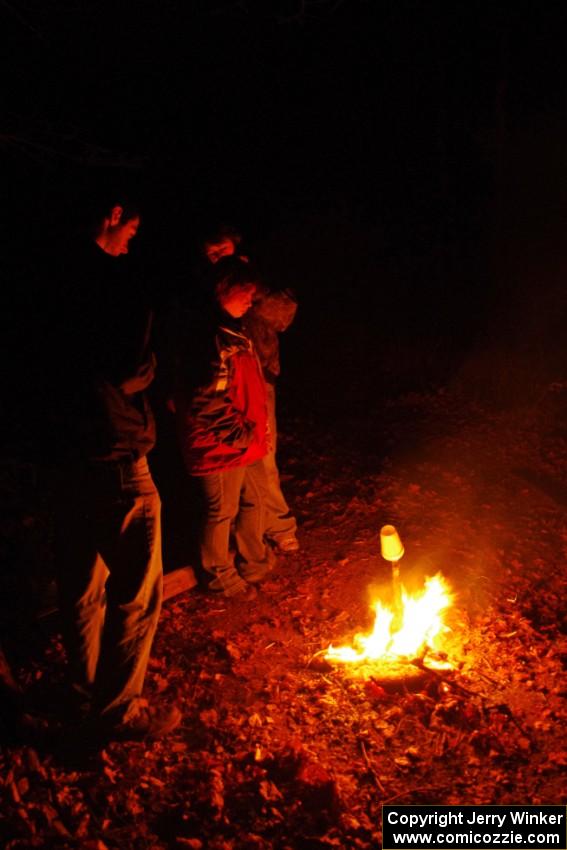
{"points": [[401, 165]]}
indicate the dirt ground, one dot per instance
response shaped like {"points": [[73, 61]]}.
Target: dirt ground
{"points": [[278, 750]]}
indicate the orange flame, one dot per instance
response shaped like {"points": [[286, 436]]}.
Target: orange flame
{"points": [[419, 627]]}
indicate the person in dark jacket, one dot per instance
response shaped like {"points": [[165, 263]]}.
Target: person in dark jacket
{"points": [[108, 508], [223, 428], [272, 312]]}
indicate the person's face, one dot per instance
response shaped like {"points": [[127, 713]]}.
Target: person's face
{"points": [[223, 248], [238, 301], [118, 236]]}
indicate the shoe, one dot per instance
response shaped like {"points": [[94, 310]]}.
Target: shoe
{"points": [[259, 574], [287, 545], [143, 722], [245, 594], [229, 584], [258, 579]]}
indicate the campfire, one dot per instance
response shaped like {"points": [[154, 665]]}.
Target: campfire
{"points": [[409, 630], [406, 635]]}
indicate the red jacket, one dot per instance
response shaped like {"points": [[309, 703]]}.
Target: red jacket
{"points": [[223, 424]]}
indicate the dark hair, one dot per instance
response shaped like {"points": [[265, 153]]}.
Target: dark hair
{"points": [[130, 210], [101, 208], [221, 232], [232, 273]]}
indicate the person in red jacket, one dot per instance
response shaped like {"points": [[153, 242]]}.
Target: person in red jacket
{"points": [[223, 429], [272, 313]]}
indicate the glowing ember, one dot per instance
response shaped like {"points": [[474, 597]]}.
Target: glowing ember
{"points": [[417, 628]]}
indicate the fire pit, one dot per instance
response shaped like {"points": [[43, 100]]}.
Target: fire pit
{"points": [[404, 646]]}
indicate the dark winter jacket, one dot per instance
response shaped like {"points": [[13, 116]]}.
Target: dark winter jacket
{"points": [[271, 313], [103, 363]]}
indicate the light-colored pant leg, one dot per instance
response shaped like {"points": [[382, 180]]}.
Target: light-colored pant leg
{"points": [[254, 556], [279, 521], [221, 491], [110, 579]]}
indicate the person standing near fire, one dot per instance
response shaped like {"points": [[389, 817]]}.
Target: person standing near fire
{"points": [[221, 409], [271, 314], [109, 560]]}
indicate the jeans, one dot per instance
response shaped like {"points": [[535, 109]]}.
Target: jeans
{"points": [[110, 578], [279, 522], [235, 495]]}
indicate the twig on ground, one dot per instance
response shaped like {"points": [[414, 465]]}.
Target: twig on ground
{"points": [[370, 767]]}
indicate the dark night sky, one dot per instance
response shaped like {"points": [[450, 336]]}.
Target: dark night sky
{"points": [[398, 158], [369, 99], [391, 105]]}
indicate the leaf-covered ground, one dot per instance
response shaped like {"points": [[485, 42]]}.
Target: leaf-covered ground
{"points": [[278, 751]]}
